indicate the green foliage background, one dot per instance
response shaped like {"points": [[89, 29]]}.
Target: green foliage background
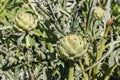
{"points": [[58, 18]]}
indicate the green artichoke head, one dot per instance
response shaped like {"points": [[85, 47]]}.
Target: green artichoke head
{"points": [[98, 12], [25, 22], [71, 47]]}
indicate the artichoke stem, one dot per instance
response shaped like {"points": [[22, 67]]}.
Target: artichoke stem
{"points": [[109, 72], [27, 39], [84, 74], [102, 47], [71, 70], [31, 74]]}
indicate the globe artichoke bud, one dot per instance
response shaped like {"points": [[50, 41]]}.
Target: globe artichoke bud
{"points": [[71, 47], [25, 22], [98, 12]]}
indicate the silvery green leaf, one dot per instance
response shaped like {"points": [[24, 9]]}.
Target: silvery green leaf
{"points": [[111, 60]]}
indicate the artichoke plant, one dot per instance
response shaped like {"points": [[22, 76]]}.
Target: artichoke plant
{"points": [[71, 47], [25, 22], [99, 12], [30, 53]]}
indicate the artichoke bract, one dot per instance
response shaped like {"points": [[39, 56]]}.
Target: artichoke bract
{"points": [[71, 47], [25, 22], [99, 12]]}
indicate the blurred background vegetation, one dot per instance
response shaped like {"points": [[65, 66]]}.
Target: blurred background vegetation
{"points": [[32, 32]]}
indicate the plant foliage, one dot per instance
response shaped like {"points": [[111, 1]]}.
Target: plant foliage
{"points": [[29, 41]]}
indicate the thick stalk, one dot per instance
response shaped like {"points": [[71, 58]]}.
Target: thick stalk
{"points": [[29, 59], [27, 39], [30, 73], [71, 70], [29, 65], [109, 72], [102, 46], [99, 55], [84, 74]]}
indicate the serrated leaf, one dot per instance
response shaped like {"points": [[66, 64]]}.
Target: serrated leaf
{"points": [[37, 32], [111, 60], [32, 41]]}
